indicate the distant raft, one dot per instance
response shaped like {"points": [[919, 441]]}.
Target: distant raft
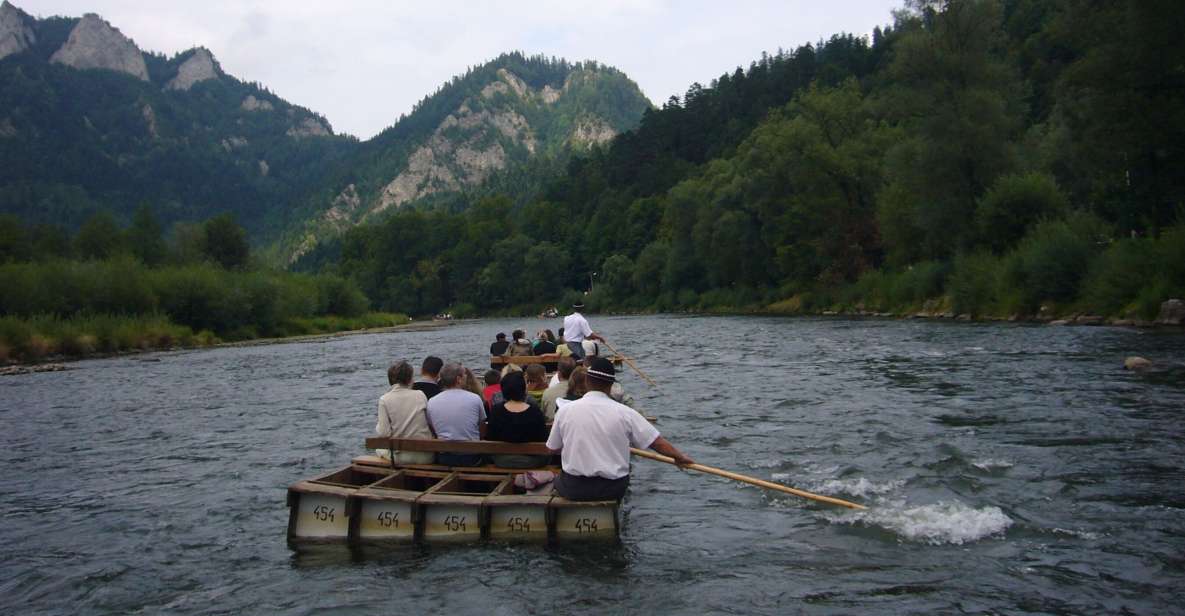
{"points": [[373, 500]]}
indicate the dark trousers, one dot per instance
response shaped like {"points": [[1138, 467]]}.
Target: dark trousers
{"points": [[577, 350], [577, 488]]}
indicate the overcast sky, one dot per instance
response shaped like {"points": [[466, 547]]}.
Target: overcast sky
{"points": [[361, 63]]}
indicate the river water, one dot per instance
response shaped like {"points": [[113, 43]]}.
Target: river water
{"points": [[1007, 469]]}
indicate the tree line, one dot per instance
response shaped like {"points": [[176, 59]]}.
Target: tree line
{"points": [[108, 289]]}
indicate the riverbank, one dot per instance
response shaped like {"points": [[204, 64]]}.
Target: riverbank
{"points": [[28, 345]]}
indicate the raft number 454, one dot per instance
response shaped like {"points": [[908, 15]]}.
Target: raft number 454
{"points": [[586, 525], [323, 513]]}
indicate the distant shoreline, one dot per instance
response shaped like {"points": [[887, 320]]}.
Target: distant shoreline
{"points": [[59, 363]]}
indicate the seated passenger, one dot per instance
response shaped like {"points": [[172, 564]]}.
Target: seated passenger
{"points": [[545, 345], [559, 388], [577, 387], [520, 345], [429, 372], [536, 382], [517, 420], [499, 347], [403, 414], [471, 383], [492, 394], [455, 414]]}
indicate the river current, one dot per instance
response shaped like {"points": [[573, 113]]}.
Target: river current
{"points": [[1007, 469]]}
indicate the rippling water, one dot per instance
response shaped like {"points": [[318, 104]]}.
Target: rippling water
{"points": [[1008, 468]]}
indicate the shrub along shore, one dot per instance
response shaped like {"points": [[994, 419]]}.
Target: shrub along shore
{"points": [[86, 308]]}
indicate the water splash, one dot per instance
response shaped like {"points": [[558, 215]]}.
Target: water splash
{"points": [[989, 464], [855, 486], [937, 524]]}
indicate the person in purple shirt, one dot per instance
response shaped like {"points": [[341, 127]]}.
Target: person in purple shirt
{"points": [[455, 414]]}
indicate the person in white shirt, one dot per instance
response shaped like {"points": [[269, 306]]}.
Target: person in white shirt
{"points": [[403, 413], [576, 329], [593, 436]]}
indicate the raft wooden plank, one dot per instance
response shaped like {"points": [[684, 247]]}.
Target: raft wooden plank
{"points": [[437, 445], [309, 487], [547, 358], [320, 516], [490, 469], [585, 519]]}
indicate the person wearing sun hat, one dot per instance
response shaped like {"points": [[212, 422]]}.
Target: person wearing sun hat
{"points": [[593, 436], [576, 329]]}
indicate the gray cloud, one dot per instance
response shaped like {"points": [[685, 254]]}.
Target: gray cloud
{"points": [[364, 62]]}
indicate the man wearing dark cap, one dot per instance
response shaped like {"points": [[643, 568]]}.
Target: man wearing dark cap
{"points": [[576, 329], [499, 347], [593, 436]]}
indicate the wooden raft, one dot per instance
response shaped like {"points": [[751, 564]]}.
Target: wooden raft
{"points": [[374, 499]]}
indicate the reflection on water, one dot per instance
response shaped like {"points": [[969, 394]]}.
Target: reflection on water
{"points": [[1008, 468]]}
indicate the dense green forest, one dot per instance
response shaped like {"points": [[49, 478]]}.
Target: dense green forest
{"points": [[108, 289], [988, 157]]}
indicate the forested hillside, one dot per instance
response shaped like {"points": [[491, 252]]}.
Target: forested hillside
{"points": [[990, 157], [90, 123]]}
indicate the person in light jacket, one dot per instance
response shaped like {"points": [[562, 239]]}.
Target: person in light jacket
{"points": [[403, 413]]}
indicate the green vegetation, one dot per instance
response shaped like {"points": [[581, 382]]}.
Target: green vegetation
{"points": [[990, 157], [113, 299]]}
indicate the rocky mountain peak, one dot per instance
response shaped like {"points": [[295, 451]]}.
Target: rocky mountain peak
{"points": [[198, 67], [94, 43], [15, 33]]}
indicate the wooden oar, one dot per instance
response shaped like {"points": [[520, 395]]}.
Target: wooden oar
{"points": [[761, 483], [632, 365]]}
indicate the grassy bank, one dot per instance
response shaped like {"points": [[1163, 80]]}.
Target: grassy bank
{"points": [[32, 339]]}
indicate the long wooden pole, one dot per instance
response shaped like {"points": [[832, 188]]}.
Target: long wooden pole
{"points": [[632, 365], [761, 483]]}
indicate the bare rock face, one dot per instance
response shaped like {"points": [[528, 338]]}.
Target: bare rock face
{"points": [[1136, 363], [309, 127], [199, 67], [254, 104], [591, 130], [549, 94], [15, 33], [264, 169], [94, 43], [1172, 312], [149, 120]]}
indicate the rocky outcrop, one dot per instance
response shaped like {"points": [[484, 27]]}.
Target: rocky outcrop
{"points": [[1172, 312], [149, 120], [1136, 363], [309, 127], [94, 43], [549, 95], [264, 169], [591, 130], [345, 205], [254, 104], [15, 33], [234, 142], [446, 164], [199, 67]]}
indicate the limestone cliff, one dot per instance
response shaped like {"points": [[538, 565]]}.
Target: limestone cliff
{"points": [[15, 33], [514, 117], [94, 43], [199, 67]]}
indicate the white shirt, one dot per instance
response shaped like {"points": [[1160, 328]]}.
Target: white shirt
{"points": [[576, 328], [595, 435]]}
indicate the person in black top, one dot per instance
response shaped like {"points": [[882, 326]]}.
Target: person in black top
{"points": [[544, 345], [517, 420], [429, 374], [498, 348]]}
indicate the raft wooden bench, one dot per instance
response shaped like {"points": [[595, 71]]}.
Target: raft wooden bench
{"points": [[546, 358], [375, 499]]}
